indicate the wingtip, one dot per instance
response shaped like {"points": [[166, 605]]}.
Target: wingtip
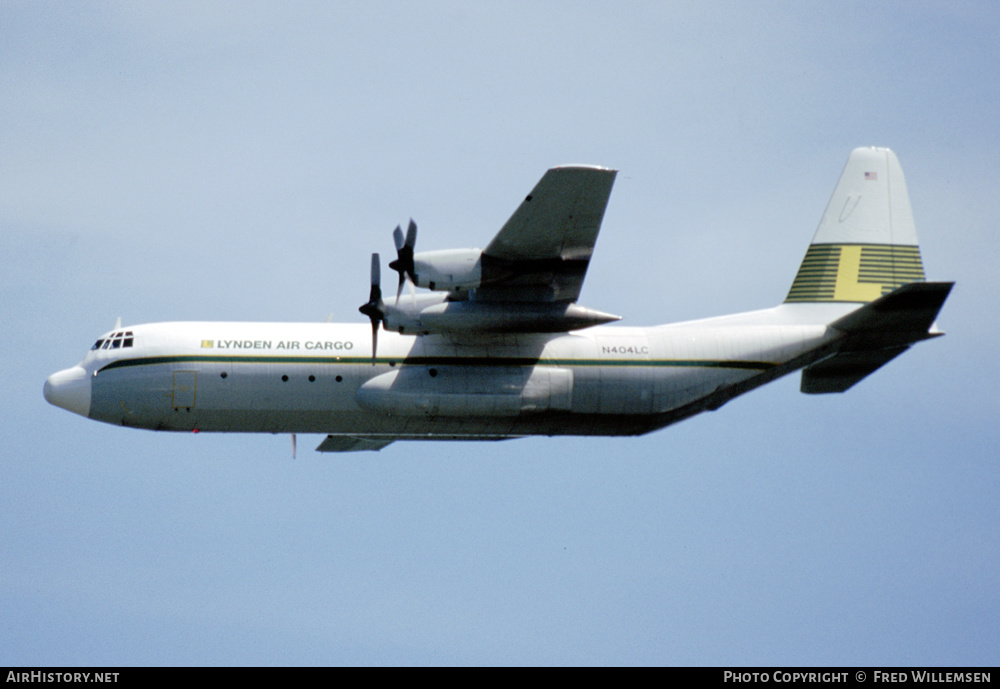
{"points": [[580, 166]]}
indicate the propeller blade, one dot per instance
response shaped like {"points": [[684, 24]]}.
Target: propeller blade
{"points": [[404, 255], [376, 291], [411, 234], [399, 289], [374, 308]]}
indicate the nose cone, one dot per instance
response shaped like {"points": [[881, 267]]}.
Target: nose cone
{"points": [[69, 389]]}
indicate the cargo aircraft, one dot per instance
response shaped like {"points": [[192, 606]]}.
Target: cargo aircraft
{"points": [[497, 346]]}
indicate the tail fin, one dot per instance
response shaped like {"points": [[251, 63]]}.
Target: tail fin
{"points": [[866, 243]]}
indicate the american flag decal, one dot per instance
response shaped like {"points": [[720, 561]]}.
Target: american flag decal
{"points": [[871, 175]]}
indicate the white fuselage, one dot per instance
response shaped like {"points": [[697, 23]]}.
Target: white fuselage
{"points": [[319, 377]]}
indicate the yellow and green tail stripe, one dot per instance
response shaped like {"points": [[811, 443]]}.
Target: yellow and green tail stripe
{"points": [[855, 272]]}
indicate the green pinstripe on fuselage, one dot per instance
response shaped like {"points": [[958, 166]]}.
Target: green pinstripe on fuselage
{"points": [[434, 361]]}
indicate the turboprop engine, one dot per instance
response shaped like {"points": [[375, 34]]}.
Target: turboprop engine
{"points": [[455, 274], [450, 270], [423, 314]]}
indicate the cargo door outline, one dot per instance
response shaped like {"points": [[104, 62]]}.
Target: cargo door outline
{"points": [[185, 390]]}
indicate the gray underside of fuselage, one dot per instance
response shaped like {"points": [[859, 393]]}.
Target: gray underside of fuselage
{"points": [[158, 407]]}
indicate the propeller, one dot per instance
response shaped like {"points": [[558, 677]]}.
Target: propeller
{"points": [[404, 255], [374, 309]]}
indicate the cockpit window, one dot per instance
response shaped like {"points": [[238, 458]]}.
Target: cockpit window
{"points": [[115, 340]]}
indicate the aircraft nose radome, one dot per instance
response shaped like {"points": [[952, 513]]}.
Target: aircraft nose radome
{"points": [[69, 389]]}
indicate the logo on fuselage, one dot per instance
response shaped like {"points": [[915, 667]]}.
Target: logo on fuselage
{"points": [[311, 345]]}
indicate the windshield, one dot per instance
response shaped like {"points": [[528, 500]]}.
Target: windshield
{"points": [[115, 341]]}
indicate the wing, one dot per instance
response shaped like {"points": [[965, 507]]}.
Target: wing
{"points": [[360, 442], [542, 252], [353, 443], [527, 280]]}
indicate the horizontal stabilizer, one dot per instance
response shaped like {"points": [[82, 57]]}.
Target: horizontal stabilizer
{"points": [[876, 334], [840, 372], [901, 317]]}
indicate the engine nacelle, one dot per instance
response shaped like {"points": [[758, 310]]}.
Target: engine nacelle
{"points": [[508, 317], [423, 314], [449, 270], [403, 316]]}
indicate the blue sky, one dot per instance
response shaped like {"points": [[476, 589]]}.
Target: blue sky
{"points": [[240, 161]]}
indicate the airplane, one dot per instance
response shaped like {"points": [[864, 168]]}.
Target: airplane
{"points": [[498, 348]]}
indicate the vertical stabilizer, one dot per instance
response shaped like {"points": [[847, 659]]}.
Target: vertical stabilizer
{"points": [[866, 243]]}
